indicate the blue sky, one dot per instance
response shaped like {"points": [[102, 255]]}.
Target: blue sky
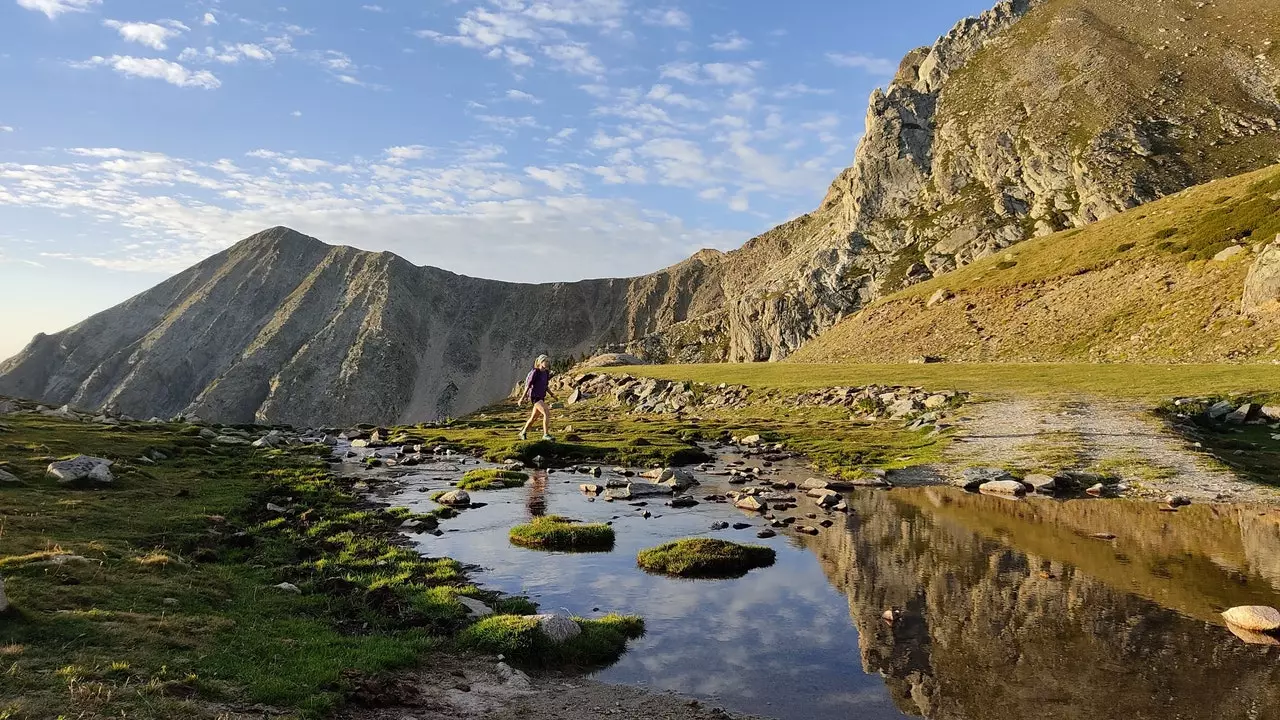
{"points": [[528, 140]]}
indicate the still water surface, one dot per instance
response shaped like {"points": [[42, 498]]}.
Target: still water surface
{"points": [[1011, 608]]}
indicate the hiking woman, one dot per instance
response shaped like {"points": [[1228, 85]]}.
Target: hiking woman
{"points": [[537, 390]]}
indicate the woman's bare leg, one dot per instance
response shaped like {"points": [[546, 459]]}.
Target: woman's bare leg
{"points": [[529, 423], [546, 418]]}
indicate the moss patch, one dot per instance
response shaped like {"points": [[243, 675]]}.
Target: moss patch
{"points": [[705, 558], [492, 479], [553, 532], [519, 638]]}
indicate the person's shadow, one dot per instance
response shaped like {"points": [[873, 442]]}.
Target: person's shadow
{"points": [[537, 501]]}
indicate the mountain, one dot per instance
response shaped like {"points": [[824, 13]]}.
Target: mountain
{"points": [[1193, 277], [284, 328], [1035, 117]]}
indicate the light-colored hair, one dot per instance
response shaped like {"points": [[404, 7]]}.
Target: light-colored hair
{"points": [[542, 360]]}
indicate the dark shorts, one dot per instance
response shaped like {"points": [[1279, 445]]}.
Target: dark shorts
{"points": [[538, 399]]}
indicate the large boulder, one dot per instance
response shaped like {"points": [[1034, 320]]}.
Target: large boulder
{"points": [[81, 468], [455, 498], [8, 478], [1258, 618], [825, 497], [1262, 284], [677, 479]]}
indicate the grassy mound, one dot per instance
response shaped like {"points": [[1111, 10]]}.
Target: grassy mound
{"points": [[492, 479], [705, 558], [518, 637], [553, 532]]}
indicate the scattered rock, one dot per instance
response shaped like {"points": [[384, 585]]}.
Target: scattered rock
{"points": [[1262, 285], [637, 490], [233, 440], [684, 501], [806, 530], [288, 587], [1229, 252], [825, 498], [81, 467], [1043, 484], [591, 488], [7, 477], [475, 608], [766, 533], [272, 507], [676, 479], [751, 503], [1258, 618], [1177, 501], [719, 526], [1242, 414], [1003, 487], [940, 296], [559, 628], [455, 498], [974, 478], [751, 440]]}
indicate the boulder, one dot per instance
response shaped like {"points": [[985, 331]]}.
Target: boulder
{"points": [[1271, 412], [1043, 484], [233, 440], [1262, 284], [684, 501], [1242, 414], [454, 498], [81, 467], [1219, 410], [559, 628], [576, 397], [1229, 252], [941, 296], [825, 498], [815, 484], [1003, 487], [677, 479], [591, 488], [751, 440], [7, 477], [611, 360], [973, 478], [1177, 500], [933, 402], [1258, 618], [288, 587], [637, 490], [475, 608], [208, 434], [751, 503]]}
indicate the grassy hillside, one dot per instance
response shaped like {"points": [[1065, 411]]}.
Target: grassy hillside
{"points": [[1139, 287]]}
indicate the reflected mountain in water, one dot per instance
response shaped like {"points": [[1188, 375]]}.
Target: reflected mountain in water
{"points": [[1012, 610]]}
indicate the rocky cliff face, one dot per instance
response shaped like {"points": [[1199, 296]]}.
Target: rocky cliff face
{"points": [[282, 328]]}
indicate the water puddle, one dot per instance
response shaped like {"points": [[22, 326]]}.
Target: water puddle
{"points": [[1009, 608]]}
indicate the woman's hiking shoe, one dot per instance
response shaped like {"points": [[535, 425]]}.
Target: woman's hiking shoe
{"points": [[522, 437], [549, 438]]}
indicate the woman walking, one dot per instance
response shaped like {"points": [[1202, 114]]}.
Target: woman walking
{"points": [[537, 389]]}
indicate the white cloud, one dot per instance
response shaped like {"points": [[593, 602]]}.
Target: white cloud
{"points": [[6, 128], [524, 96], [575, 58], [296, 113], [714, 73], [730, 43], [558, 179], [730, 74], [667, 17], [152, 35], [873, 65], [664, 94], [156, 69], [54, 8], [229, 55], [373, 8], [209, 19], [403, 153]]}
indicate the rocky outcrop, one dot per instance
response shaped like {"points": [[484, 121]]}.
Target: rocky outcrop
{"points": [[1262, 285]]}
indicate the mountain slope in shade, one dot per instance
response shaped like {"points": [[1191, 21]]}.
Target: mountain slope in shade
{"points": [[283, 328]]}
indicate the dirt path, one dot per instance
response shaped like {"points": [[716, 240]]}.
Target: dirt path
{"points": [[475, 689], [1107, 437]]}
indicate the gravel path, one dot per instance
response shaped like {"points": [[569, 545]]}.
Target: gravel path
{"points": [[1120, 439]]}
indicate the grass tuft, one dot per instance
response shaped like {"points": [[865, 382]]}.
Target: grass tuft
{"points": [[705, 558], [553, 532], [519, 638], [492, 479]]}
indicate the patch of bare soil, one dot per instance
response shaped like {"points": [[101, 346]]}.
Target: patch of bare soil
{"points": [[1093, 435], [476, 688]]}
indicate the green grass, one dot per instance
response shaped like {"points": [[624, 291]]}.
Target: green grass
{"points": [[1247, 450], [704, 558], [1137, 381], [519, 638], [492, 479], [552, 532]]}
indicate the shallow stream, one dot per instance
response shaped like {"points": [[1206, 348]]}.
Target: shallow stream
{"points": [[1010, 608]]}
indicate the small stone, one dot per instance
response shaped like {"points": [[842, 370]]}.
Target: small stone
{"points": [[741, 526], [7, 477], [591, 488], [272, 507], [766, 533], [752, 503], [719, 526], [684, 501], [1102, 536], [1096, 490], [1043, 484], [1003, 487], [455, 498], [806, 530], [475, 608], [1258, 618], [825, 498], [288, 587], [1177, 501]]}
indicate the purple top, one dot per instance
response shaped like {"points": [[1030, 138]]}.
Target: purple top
{"points": [[536, 384]]}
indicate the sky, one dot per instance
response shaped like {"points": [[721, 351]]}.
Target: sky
{"points": [[523, 140]]}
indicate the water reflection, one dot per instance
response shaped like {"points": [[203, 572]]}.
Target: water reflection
{"points": [[1010, 609]]}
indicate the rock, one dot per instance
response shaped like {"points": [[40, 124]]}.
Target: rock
{"points": [[233, 440], [1258, 618], [1253, 638], [1096, 490], [1102, 536], [1262, 284], [677, 479], [806, 530], [7, 477], [272, 507], [1003, 487], [559, 628], [825, 498], [751, 503], [1042, 484], [208, 434], [1229, 252], [638, 490], [973, 478], [576, 397], [288, 587], [751, 440], [591, 488], [933, 402], [455, 498], [1219, 410], [741, 526], [1242, 414], [1177, 500], [1271, 412], [81, 467], [719, 526], [940, 296], [684, 501], [766, 533], [475, 608], [815, 484]]}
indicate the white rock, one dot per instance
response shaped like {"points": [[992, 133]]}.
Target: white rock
{"points": [[272, 507], [455, 497], [289, 587], [559, 628], [751, 440], [81, 467], [1229, 253], [1258, 618], [8, 477]]}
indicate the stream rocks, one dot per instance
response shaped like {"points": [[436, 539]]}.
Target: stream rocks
{"points": [[632, 490], [1258, 618], [455, 498], [559, 628]]}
